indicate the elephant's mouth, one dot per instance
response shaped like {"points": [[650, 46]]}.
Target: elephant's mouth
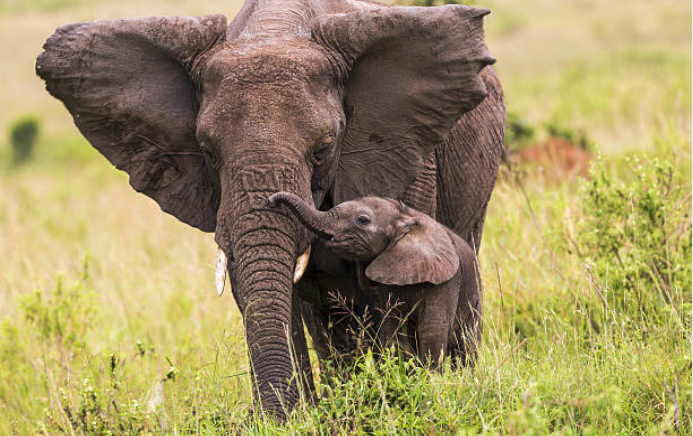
{"points": [[332, 241], [324, 235], [222, 262]]}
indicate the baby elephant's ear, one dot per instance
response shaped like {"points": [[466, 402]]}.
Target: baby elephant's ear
{"points": [[424, 254]]}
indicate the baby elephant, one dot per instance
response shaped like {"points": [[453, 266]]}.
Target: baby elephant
{"points": [[415, 269]]}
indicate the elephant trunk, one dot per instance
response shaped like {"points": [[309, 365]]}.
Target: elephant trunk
{"points": [[263, 245], [264, 270], [319, 222]]}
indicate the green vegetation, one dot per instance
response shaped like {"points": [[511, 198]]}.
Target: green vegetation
{"points": [[23, 137], [635, 238], [109, 323], [518, 132]]}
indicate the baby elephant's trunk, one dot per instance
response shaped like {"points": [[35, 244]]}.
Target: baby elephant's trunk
{"points": [[316, 221]]}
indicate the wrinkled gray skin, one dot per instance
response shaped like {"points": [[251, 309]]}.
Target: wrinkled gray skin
{"points": [[418, 273], [330, 100]]}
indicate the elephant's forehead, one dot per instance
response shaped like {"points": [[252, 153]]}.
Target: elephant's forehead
{"points": [[376, 205], [282, 61], [380, 202]]}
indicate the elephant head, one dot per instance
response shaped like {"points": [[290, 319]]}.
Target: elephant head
{"points": [[403, 246], [329, 100]]}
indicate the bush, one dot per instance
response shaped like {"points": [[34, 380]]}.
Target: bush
{"points": [[63, 316], [557, 129], [518, 131], [23, 134], [358, 398], [635, 238]]}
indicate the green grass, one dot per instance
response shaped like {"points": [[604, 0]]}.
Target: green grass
{"points": [[109, 320]]}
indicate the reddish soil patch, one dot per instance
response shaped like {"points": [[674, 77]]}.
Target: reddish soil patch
{"points": [[557, 155]]}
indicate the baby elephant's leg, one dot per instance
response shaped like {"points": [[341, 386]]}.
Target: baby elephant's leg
{"points": [[436, 315], [468, 323], [467, 332]]}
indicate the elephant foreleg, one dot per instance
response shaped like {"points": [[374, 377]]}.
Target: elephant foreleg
{"points": [[467, 164]]}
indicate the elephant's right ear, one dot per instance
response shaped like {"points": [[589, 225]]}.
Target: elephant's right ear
{"points": [[129, 85]]}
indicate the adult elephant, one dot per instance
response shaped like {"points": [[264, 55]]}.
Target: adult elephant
{"points": [[326, 99]]}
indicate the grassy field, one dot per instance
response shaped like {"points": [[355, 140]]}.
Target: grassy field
{"points": [[109, 323]]}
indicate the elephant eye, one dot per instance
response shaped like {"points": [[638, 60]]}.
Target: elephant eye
{"points": [[209, 156], [362, 220], [322, 150]]}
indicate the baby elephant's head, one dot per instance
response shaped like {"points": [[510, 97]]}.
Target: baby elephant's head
{"points": [[402, 245]]}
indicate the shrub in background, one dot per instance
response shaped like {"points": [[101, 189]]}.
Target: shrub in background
{"points": [[558, 129], [635, 238], [518, 131], [23, 134], [64, 315]]}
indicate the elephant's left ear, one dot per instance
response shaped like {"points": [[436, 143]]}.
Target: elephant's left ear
{"points": [[411, 74], [425, 253]]}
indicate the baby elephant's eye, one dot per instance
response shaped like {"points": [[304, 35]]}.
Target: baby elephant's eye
{"points": [[362, 220]]}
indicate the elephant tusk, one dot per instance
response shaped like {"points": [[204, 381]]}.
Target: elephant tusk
{"points": [[301, 265], [220, 271]]}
